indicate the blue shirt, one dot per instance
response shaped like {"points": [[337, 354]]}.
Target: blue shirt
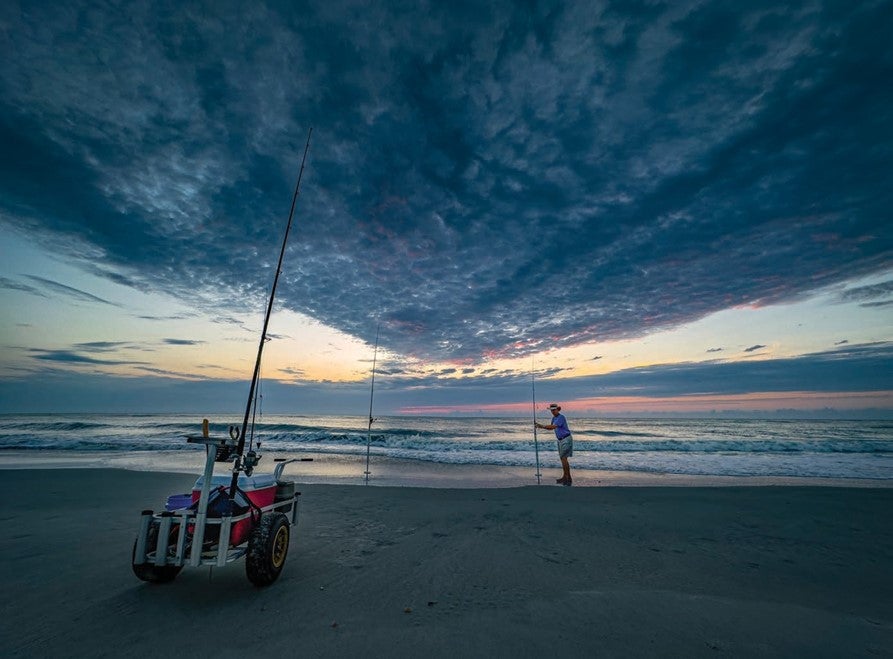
{"points": [[561, 429]]}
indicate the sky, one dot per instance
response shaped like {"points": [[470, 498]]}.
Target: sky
{"points": [[626, 207]]}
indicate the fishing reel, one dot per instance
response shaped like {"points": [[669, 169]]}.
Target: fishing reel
{"points": [[250, 462], [247, 463]]}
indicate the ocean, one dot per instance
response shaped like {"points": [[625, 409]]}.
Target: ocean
{"points": [[710, 447]]}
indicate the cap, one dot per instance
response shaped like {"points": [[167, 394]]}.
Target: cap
{"points": [[553, 406]]}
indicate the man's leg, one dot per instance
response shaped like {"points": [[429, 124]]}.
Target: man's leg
{"points": [[566, 467]]}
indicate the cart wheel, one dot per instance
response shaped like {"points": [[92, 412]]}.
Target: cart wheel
{"points": [[267, 549], [149, 572]]}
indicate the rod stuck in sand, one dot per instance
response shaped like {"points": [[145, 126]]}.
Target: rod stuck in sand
{"points": [[536, 446], [371, 396]]}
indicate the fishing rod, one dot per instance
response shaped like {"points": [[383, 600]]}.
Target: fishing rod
{"points": [[371, 394], [250, 460], [536, 446]]}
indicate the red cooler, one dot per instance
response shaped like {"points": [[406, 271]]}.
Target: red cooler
{"points": [[261, 489]]}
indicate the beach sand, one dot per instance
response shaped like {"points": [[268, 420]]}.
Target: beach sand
{"points": [[505, 572]]}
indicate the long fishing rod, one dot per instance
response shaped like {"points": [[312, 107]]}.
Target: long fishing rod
{"points": [[263, 335], [371, 394], [536, 446]]}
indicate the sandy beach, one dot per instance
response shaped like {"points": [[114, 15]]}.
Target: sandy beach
{"points": [[514, 571]]}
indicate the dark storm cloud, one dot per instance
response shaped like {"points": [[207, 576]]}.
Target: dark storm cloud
{"points": [[485, 180]]}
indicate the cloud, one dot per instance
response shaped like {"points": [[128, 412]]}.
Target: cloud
{"points": [[182, 342], [714, 350], [68, 291], [482, 184], [857, 368], [68, 357], [162, 318], [868, 295], [101, 346], [12, 285], [754, 348], [168, 373]]}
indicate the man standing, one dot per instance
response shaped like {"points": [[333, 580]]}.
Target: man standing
{"points": [[565, 442]]}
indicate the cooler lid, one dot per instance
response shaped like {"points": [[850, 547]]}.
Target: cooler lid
{"points": [[247, 483]]}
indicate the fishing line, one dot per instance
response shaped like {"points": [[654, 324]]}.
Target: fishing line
{"points": [[258, 403]]}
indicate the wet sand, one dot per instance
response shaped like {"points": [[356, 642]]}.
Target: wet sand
{"points": [[443, 572], [346, 469]]}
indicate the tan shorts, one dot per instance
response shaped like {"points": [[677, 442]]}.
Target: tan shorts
{"points": [[566, 447]]}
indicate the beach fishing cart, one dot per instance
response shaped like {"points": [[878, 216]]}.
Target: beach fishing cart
{"points": [[218, 523], [231, 515]]}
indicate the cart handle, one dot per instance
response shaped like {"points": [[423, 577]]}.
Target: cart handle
{"points": [[277, 473]]}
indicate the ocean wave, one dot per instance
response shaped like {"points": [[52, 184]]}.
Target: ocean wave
{"points": [[722, 447], [53, 426], [87, 438]]}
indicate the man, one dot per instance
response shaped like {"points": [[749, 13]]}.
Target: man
{"points": [[565, 442]]}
